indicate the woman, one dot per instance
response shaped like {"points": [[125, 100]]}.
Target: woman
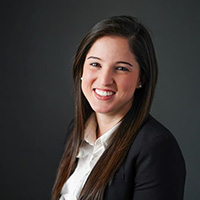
{"points": [[115, 149]]}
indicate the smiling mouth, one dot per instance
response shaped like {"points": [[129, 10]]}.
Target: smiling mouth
{"points": [[104, 93]]}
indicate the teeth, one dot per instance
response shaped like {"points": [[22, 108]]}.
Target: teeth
{"points": [[103, 93]]}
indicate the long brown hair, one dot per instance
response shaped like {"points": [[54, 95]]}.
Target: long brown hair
{"points": [[142, 47]]}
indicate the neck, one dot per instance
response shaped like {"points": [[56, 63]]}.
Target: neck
{"points": [[105, 123]]}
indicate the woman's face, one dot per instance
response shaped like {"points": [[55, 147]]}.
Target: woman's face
{"points": [[110, 76]]}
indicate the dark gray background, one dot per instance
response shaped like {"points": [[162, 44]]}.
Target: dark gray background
{"points": [[38, 42]]}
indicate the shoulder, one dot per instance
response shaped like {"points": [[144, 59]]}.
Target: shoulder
{"points": [[156, 140], [155, 161], [154, 127], [68, 131], [153, 131], [155, 149]]}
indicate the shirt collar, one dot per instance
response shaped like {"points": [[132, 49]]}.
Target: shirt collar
{"points": [[90, 132], [90, 136]]}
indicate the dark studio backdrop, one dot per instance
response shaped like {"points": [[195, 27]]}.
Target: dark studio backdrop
{"points": [[38, 41]]}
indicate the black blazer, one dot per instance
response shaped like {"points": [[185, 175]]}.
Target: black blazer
{"points": [[154, 168]]}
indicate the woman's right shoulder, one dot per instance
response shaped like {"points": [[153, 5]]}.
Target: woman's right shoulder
{"points": [[69, 130], [70, 126]]}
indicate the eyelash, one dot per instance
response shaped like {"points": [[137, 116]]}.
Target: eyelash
{"points": [[95, 64], [122, 69]]}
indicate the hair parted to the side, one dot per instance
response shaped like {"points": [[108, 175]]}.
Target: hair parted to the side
{"points": [[142, 47]]}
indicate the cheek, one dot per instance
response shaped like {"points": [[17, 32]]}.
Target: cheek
{"points": [[130, 82], [84, 88], [129, 85], [88, 75], [130, 89], [87, 80]]}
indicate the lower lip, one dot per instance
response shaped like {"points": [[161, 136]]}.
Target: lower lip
{"points": [[103, 97]]}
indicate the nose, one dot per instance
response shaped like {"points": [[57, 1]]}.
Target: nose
{"points": [[106, 77]]}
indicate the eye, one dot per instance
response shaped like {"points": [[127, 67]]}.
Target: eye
{"points": [[122, 69], [94, 64]]}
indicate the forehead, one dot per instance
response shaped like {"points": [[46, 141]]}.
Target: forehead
{"points": [[111, 47]]}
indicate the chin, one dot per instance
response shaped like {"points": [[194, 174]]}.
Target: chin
{"points": [[102, 110]]}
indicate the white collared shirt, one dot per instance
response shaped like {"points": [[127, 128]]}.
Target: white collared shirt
{"points": [[89, 153]]}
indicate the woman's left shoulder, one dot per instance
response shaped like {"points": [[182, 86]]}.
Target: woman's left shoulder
{"points": [[152, 130], [157, 163], [156, 145], [153, 135]]}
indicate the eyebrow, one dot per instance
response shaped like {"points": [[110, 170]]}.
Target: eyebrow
{"points": [[94, 57], [126, 63], [118, 62]]}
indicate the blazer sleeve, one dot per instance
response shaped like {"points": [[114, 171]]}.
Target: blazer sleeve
{"points": [[160, 171]]}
